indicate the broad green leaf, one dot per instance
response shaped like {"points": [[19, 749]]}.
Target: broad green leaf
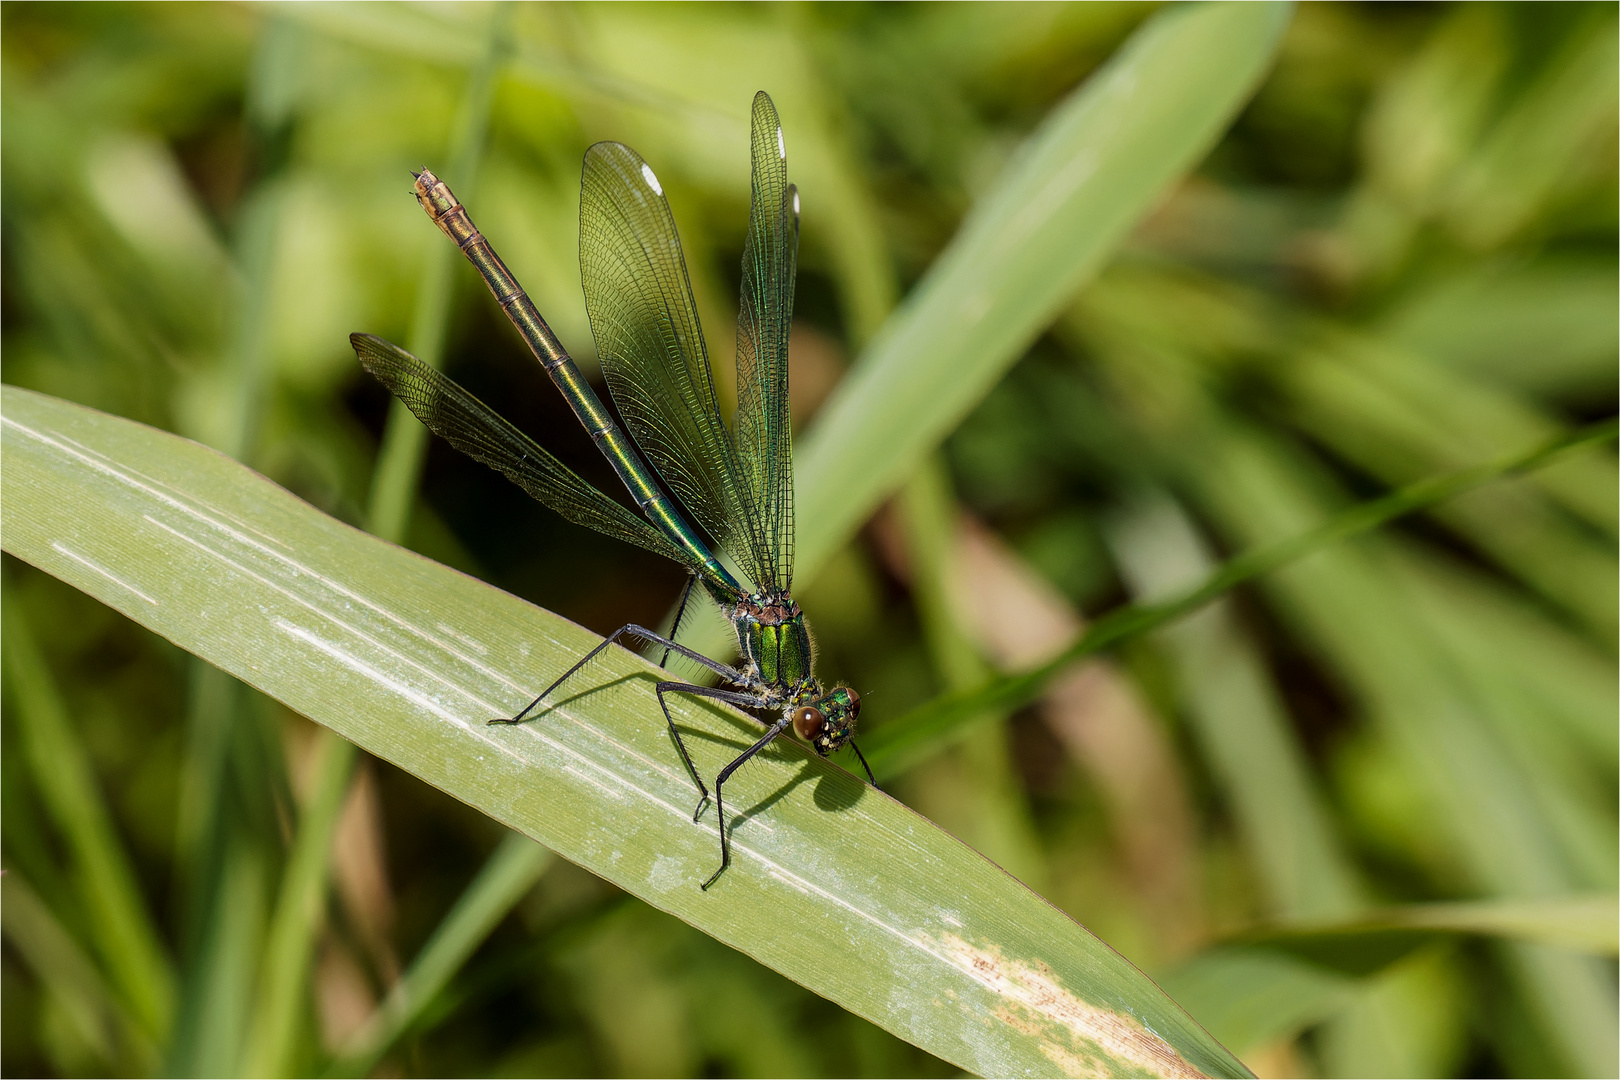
{"points": [[832, 883]]}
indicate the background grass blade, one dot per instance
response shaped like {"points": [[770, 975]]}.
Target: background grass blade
{"points": [[272, 1042], [1237, 715], [103, 1020], [1263, 984], [1588, 924], [913, 736], [225, 971], [1434, 722], [1098, 163], [502, 881], [1251, 997], [832, 883], [108, 893]]}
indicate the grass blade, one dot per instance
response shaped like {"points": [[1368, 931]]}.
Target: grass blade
{"points": [[404, 445], [1100, 162], [1251, 997], [504, 880], [1239, 719], [1584, 923], [102, 1019], [920, 732], [270, 1049], [1483, 799], [125, 937], [1262, 985], [220, 976]]}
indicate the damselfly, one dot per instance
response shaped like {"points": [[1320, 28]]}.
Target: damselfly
{"points": [[737, 482]]}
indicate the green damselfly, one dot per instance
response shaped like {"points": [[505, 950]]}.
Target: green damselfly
{"points": [[736, 482]]}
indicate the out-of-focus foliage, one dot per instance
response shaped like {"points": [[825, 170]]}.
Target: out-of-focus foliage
{"points": [[1399, 261]]}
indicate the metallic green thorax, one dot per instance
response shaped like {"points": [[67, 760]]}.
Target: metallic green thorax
{"points": [[775, 642], [448, 213]]}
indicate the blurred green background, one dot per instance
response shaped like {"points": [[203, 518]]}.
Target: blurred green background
{"points": [[1400, 260]]}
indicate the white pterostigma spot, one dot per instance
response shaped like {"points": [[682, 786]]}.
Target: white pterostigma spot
{"points": [[781, 147], [652, 181], [795, 202]]}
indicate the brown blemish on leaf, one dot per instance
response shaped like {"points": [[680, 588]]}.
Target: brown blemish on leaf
{"points": [[1079, 1038]]}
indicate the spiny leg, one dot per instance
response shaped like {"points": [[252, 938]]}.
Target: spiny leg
{"points": [[730, 697], [730, 674], [719, 800], [864, 765], [680, 610]]}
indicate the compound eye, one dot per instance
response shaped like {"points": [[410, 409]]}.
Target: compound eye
{"points": [[808, 722], [854, 704]]}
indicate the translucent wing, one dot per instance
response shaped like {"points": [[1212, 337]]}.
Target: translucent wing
{"points": [[477, 431], [764, 429], [651, 346]]}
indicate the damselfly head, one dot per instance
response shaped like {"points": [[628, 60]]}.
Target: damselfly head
{"points": [[828, 722]]}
